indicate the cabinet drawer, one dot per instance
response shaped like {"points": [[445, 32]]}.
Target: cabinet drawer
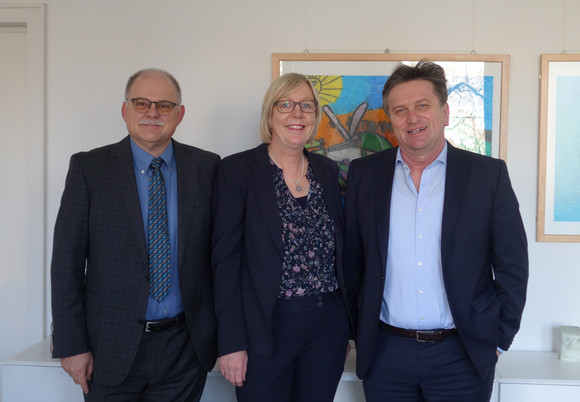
{"points": [[538, 392]]}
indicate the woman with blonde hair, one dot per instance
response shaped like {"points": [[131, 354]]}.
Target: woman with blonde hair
{"points": [[280, 298]]}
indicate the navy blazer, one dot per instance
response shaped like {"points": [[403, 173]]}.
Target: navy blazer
{"points": [[99, 228], [483, 251], [247, 246]]}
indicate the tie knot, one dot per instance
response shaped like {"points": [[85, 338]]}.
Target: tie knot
{"points": [[156, 163]]}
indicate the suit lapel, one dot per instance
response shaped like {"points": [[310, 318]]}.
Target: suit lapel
{"points": [[326, 181], [187, 174], [329, 183], [261, 174], [122, 173], [382, 207], [455, 180]]}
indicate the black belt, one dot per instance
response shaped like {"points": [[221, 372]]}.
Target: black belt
{"points": [[162, 325], [318, 300], [433, 335]]}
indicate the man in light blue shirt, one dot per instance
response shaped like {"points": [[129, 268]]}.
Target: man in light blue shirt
{"points": [[414, 294], [435, 254]]}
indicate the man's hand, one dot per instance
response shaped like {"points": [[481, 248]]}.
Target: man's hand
{"points": [[80, 368], [234, 366]]}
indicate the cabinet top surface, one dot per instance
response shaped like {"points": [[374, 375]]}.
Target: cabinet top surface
{"points": [[538, 368]]}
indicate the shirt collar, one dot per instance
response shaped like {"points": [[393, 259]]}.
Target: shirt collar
{"points": [[441, 158], [143, 159]]}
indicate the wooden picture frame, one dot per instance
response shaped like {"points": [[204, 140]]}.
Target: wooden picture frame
{"points": [[354, 124], [558, 217]]}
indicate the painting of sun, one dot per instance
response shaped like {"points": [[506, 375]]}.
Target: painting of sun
{"points": [[355, 124]]}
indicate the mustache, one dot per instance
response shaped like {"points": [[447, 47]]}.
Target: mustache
{"points": [[152, 122]]}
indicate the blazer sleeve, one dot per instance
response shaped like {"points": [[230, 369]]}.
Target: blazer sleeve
{"points": [[509, 258], [70, 250], [229, 206]]}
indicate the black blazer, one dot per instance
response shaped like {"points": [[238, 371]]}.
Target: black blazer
{"points": [[99, 228], [482, 235], [247, 246]]}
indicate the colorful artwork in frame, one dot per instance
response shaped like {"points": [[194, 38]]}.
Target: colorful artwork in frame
{"points": [[559, 164], [354, 123]]}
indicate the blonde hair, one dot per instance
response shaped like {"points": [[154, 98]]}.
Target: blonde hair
{"points": [[280, 88]]}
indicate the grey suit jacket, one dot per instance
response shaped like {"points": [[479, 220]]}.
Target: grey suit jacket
{"points": [[100, 274]]}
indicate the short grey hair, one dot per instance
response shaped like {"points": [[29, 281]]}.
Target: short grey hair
{"points": [[159, 71]]}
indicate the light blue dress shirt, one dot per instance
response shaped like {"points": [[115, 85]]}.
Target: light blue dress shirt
{"points": [[172, 305], [414, 296]]}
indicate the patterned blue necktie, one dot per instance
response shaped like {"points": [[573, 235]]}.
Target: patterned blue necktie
{"points": [[159, 253]]}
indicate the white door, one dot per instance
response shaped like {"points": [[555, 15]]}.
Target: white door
{"points": [[22, 270]]}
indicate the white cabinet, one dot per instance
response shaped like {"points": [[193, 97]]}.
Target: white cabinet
{"points": [[537, 377], [33, 375]]}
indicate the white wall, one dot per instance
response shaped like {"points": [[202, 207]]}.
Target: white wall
{"points": [[221, 53]]}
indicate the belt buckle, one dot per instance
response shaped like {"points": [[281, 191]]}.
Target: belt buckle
{"points": [[419, 333], [147, 325]]}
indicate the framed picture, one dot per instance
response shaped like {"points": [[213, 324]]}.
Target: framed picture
{"points": [[559, 153], [354, 123]]}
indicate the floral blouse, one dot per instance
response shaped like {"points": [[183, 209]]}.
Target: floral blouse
{"points": [[307, 240]]}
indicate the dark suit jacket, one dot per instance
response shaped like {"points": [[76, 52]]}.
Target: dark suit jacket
{"points": [[482, 236], [100, 273], [247, 246]]}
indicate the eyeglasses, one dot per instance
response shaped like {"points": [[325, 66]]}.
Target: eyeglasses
{"points": [[142, 105], [287, 106]]}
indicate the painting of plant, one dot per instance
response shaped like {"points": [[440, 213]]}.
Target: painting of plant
{"points": [[354, 123]]}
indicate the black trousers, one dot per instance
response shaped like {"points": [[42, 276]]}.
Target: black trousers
{"points": [[310, 337], [166, 369]]}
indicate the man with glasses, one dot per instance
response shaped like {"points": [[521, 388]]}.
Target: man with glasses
{"points": [[131, 289]]}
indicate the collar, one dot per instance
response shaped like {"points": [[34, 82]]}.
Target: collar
{"points": [[441, 158], [142, 158]]}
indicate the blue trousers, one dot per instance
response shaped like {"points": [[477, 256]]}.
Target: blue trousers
{"points": [[404, 370], [310, 337]]}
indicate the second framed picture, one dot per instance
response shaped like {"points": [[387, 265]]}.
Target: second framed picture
{"points": [[558, 163]]}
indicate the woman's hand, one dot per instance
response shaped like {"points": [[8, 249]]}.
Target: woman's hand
{"points": [[234, 366]]}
